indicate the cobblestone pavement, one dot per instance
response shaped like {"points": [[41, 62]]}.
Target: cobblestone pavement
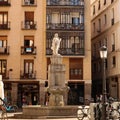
{"points": [[10, 117]]}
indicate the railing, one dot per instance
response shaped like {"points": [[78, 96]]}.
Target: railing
{"points": [[29, 25], [4, 50], [67, 2], [27, 75], [5, 3], [65, 26], [5, 25], [5, 75], [29, 2], [67, 51], [25, 50]]}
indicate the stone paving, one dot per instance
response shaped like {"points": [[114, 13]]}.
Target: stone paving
{"points": [[10, 117]]}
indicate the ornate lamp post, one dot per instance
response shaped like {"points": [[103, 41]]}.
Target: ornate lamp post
{"points": [[103, 55]]}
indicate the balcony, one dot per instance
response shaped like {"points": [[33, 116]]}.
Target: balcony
{"points": [[29, 3], [27, 75], [4, 2], [65, 3], [65, 26], [67, 51], [4, 50], [5, 75], [28, 50], [5, 26], [29, 25]]}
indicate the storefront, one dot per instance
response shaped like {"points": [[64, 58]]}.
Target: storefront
{"points": [[22, 93]]}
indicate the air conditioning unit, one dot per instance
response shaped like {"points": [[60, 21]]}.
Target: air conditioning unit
{"points": [[27, 2]]}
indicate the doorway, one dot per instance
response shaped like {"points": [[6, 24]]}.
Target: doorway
{"points": [[76, 94], [28, 94]]}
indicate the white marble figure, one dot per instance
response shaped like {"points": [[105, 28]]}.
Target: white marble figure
{"points": [[56, 44], [1, 88]]}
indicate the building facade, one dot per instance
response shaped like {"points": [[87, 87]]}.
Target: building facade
{"points": [[26, 31], [105, 31]]}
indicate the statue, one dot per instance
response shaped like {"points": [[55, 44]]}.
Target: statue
{"points": [[56, 44], [1, 88]]}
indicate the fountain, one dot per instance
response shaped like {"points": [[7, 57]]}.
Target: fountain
{"points": [[57, 89]]}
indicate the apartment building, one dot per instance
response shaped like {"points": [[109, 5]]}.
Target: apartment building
{"points": [[105, 31], [26, 31]]}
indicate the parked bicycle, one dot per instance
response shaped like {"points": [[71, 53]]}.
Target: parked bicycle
{"points": [[9, 107], [112, 108]]}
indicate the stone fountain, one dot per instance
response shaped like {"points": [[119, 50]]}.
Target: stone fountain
{"points": [[57, 89]]}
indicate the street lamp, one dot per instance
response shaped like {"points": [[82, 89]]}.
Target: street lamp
{"points": [[103, 55]]}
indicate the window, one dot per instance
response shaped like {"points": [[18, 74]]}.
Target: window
{"points": [[29, 2], [29, 69], [112, 1], [94, 49], [105, 19], [99, 25], [99, 5], [3, 67], [93, 27], [3, 19], [75, 20], [113, 61], [112, 20], [113, 42], [29, 20], [93, 9], [76, 68], [74, 2], [105, 41], [104, 2], [76, 43], [3, 44], [29, 44], [81, 18]]}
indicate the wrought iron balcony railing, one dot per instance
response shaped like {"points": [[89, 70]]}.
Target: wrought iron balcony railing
{"points": [[5, 2], [65, 26], [67, 51], [29, 25], [29, 2], [4, 50], [67, 2], [5, 75], [28, 50], [5, 25], [31, 75]]}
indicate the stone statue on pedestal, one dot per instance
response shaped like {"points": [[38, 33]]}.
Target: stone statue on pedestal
{"points": [[56, 44], [56, 75]]}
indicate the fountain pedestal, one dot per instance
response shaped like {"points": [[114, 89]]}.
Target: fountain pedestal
{"points": [[56, 77]]}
